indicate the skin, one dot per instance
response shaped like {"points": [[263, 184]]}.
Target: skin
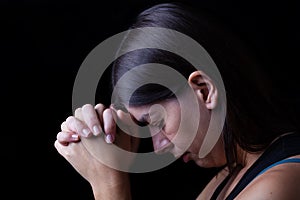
{"points": [[279, 182]]}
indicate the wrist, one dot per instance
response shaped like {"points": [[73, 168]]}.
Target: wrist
{"points": [[116, 186]]}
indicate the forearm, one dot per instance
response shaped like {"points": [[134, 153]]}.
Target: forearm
{"points": [[120, 190]]}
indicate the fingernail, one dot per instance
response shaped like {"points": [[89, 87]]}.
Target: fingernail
{"points": [[86, 132], [74, 137], [96, 130], [108, 139], [164, 142]]}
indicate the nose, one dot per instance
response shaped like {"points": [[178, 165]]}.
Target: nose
{"points": [[161, 143]]}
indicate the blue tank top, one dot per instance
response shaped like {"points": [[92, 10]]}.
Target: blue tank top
{"points": [[288, 160], [277, 153]]}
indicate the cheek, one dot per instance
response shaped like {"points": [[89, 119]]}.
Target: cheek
{"points": [[199, 132], [180, 131], [170, 131], [172, 124], [197, 142], [192, 130]]}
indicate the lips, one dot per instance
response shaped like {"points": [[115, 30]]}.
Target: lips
{"points": [[186, 157]]}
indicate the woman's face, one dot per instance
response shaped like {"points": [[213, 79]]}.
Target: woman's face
{"points": [[164, 120]]}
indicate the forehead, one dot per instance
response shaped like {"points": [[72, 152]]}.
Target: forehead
{"points": [[161, 107]]}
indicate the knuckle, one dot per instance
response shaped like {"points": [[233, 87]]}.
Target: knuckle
{"points": [[90, 115], [87, 107], [70, 119], [61, 136], [106, 112], [99, 106], [78, 113], [63, 125], [78, 110], [58, 136]]}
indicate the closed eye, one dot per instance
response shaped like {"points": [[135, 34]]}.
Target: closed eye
{"points": [[143, 121]]}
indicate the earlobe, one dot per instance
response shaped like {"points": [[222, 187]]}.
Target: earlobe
{"points": [[204, 87]]}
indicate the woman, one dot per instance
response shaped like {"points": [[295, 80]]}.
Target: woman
{"points": [[258, 147]]}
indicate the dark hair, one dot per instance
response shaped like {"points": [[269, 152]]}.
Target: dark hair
{"points": [[252, 121]]}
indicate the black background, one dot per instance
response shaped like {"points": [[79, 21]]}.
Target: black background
{"points": [[43, 44]]}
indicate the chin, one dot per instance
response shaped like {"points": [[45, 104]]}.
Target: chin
{"points": [[207, 162], [204, 163]]}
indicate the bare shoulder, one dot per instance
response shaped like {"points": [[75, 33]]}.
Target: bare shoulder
{"points": [[279, 182], [213, 184]]}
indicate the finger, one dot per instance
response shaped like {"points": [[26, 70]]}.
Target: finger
{"points": [[91, 119], [64, 150], [77, 126], [64, 127], [99, 108], [118, 123], [59, 146], [78, 114], [127, 128], [130, 125], [109, 126], [124, 120], [114, 114], [66, 137]]}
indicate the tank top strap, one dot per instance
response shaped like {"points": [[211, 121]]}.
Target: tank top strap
{"points": [[282, 148], [288, 160]]}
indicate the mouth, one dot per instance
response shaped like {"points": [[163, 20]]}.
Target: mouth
{"points": [[186, 157]]}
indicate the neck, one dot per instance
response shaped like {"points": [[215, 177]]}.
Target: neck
{"points": [[246, 159]]}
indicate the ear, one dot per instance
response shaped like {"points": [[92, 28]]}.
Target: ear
{"points": [[204, 88]]}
